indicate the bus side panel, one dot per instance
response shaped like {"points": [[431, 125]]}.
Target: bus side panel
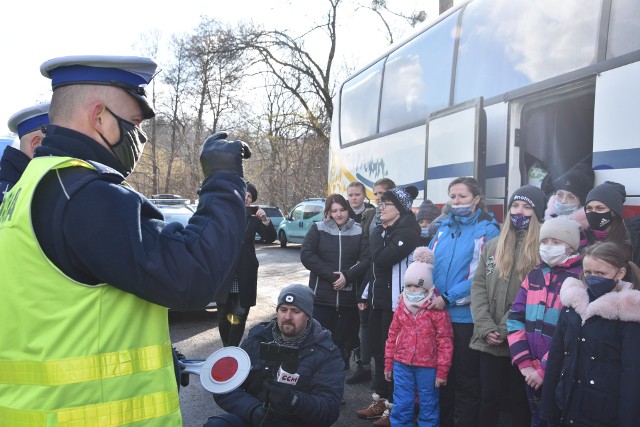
{"points": [[496, 169], [616, 132], [388, 156]]}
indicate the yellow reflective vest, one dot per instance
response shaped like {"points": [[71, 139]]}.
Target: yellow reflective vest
{"points": [[73, 354]]}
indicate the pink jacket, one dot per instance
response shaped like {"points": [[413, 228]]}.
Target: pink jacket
{"points": [[424, 340]]}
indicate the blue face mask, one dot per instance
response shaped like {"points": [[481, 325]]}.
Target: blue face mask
{"points": [[599, 286], [424, 232], [520, 221], [415, 296], [462, 210], [564, 209]]}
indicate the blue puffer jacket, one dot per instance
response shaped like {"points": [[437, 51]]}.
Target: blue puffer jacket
{"points": [[457, 246], [319, 387]]}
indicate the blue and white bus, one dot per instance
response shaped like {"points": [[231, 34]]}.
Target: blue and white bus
{"points": [[497, 89]]}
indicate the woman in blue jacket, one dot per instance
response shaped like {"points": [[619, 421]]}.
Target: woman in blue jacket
{"points": [[457, 246]]}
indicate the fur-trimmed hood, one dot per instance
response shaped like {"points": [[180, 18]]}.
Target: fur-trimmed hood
{"points": [[621, 305], [577, 215]]}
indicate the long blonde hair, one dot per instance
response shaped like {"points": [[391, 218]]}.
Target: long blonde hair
{"points": [[529, 255]]}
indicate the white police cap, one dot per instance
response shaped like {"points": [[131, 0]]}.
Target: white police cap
{"points": [[131, 73], [29, 119]]}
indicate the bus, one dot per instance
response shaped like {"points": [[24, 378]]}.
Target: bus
{"points": [[505, 91]]}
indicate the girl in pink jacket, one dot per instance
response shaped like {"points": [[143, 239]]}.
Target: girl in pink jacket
{"points": [[419, 348]]}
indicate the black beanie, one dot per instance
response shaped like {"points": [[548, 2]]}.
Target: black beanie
{"points": [[532, 195], [251, 189], [402, 198], [612, 194], [578, 180]]}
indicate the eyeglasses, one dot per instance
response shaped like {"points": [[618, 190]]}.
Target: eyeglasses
{"points": [[383, 205], [565, 196]]}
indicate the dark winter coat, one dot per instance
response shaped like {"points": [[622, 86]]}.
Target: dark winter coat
{"points": [[247, 262], [390, 248], [12, 164], [319, 388], [593, 373], [326, 249], [96, 230]]}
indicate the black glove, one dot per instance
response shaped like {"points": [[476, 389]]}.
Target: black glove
{"points": [[281, 396], [257, 416], [220, 155]]}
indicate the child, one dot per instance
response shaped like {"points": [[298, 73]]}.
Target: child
{"points": [[534, 313], [419, 348], [593, 371]]}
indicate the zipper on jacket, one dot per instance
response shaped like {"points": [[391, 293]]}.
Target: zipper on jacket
{"points": [[339, 266]]}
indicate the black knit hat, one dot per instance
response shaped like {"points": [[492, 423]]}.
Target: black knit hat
{"points": [[578, 180], [612, 194], [251, 189], [532, 195], [428, 211], [402, 198]]}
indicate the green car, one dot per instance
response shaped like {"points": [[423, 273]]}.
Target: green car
{"points": [[295, 225]]}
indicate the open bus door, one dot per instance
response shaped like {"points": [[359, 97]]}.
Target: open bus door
{"points": [[456, 146]]}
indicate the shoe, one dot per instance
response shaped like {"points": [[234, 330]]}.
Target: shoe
{"points": [[385, 419], [375, 410], [361, 375]]}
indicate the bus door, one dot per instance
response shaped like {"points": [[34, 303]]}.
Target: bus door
{"points": [[616, 133], [456, 146]]}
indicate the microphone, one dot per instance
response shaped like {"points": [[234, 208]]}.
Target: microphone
{"points": [[286, 377]]}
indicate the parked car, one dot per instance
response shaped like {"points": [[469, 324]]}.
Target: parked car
{"points": [[294, 226], [177, 210], [275, 215]]}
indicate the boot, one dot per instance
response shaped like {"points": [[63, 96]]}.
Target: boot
{"points": [[385, 419], [362, 374], [375, 410]]}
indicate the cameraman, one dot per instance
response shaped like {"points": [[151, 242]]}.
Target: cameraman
{"points": [[315, 399]]}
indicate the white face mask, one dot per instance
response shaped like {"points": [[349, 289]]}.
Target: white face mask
{"points": [[553, 254]]}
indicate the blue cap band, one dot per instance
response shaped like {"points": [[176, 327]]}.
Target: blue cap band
{"points": [[32, 124], [74, 74]]}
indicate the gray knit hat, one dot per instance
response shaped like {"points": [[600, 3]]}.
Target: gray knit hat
{"points": [[297, 295], [562, 228], [611, 194], [428, 211]]}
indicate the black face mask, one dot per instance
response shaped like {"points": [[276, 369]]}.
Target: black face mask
{"points": [[129, 148], [599, 221]]}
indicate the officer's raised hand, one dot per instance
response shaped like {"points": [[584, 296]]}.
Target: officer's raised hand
{"points": [[220, 155]]}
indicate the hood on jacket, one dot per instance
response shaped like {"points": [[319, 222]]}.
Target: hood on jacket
{"points": [[623, 304]]}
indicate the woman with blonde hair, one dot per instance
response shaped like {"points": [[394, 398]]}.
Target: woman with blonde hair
{"points": [[504, 263]]}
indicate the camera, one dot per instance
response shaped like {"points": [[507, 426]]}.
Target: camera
{"points": [[252, 210]]}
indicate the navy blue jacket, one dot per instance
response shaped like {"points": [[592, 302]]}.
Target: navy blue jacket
{"points": [[12, 164], [99, 231], [319, 388], [326, 249]]}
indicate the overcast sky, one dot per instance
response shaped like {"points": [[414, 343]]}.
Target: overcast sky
{"points": [[32, 32]]}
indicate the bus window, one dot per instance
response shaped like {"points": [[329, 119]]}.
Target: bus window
{"points": [[624, 28], [417, 77], [555, 136], [359, 105], [508, 44]]}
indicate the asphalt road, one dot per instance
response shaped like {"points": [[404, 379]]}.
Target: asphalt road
{"points": [[195, 335]]}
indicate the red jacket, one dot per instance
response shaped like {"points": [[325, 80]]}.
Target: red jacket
{"points": [[424, 340]]}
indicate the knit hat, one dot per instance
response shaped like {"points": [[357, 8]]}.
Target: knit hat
{"points": [[402, 198], [428, 211], [251, 189], [562, 228], [578, 180], [612, 194], [297, 295], [420, 272], [533, 196]]}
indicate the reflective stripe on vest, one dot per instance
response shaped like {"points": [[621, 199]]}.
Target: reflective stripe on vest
{"points": [[73, 354]]}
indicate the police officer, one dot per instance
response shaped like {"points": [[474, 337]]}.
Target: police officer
{"points": [[29, 124], [89, 266]]}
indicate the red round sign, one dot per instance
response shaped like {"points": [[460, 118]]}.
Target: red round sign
{"points": [[224, 369]]}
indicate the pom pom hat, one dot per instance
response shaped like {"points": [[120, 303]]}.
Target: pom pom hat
{"points": [[402, 198], [420, 272], [131, 73], [428, 211]]}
